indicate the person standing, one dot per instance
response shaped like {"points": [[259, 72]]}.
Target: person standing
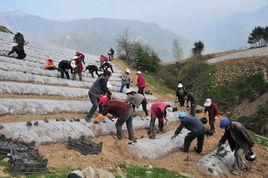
{"points": [[190, 98], [140, 82], [197, 130], [158, 110], [181, 93], [123, 111], [239, 141], [81, 55], [98, 88], [125, 80], [79, 67], [136, 99], [111, 53], [212, 110]]}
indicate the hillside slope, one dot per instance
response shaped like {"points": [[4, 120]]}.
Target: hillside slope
{"points": [[95, 36], [30, 93]]}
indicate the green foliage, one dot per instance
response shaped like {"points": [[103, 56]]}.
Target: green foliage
{"points": [[136, 54], [257, 122], [259, 139], [156, 85], [258, 36], [233, 93], [196, 76], [198, 48], [146, 172], [54, 174], [5, 29]]}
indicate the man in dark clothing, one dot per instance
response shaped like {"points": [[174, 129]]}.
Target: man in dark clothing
{"points": [[18, 38], [111, 54], [180, 93], [92, 69], [190, 98], [123, 111], [19, 50], [63, 67], [212, 110], [239, 140], [197, 129], [98, 88], [107, 65]]}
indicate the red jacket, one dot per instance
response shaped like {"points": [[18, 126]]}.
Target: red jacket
{"points": [[81, 55], [212, 110], [116, 108], [79, 65], [158, 110], [104, 58], [141, 81]]}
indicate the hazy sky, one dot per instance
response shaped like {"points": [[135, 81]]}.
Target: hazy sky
{"points": [[171, 14]]}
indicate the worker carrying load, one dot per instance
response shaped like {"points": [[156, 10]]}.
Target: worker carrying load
{"points": [[197, 130], [49, 64], [239, 141], [159, 110]]}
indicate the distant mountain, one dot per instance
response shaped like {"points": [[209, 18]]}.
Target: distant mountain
{"points": [[95, 35], [232, 33]]}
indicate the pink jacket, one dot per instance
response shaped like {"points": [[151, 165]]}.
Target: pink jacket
{"points": [[155, 108], [141, 81]]}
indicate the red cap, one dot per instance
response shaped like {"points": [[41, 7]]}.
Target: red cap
{"points": [[103, 99]]}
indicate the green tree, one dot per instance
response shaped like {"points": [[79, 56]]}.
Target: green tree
{"points": [[198, 48], [257, 36]]}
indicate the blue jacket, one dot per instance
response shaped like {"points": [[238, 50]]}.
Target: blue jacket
{"points": [[190, 123]]}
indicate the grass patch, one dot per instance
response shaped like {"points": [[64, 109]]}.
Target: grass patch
{"points": [[259, 139], [4, 29], [156, 85], [146, 172], [51, 174], [246, 87]]}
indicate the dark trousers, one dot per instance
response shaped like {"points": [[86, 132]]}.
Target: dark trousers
{"points": [[64, 71], [92, 73], [181, 100], [119, 123], [211, 122], [95, 102], [200, 135], [151, 130], [193, 110], [141, 90], [123, 86], [144, 106]]}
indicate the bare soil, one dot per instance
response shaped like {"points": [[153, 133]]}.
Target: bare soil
{"points": [[115, 152]]}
